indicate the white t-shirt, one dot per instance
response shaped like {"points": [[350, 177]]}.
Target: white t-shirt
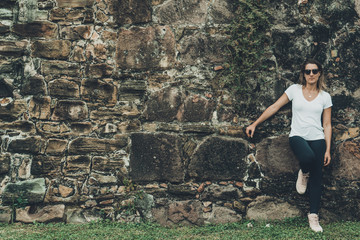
{"points": [[306, 116]]}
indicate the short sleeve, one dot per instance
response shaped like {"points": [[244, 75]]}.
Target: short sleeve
{"points": [[290, 92], [328, 101]]}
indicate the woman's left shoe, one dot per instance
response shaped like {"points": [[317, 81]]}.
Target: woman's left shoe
{"points": [[314, 222]]}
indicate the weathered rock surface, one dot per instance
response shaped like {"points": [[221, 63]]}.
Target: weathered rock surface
{"points": [[34, 145], [56, 49], [265, 208], [70, 110], [156, 157], [51, 213], [87, 145], [29, 191], [219, 158], [222, 215]]}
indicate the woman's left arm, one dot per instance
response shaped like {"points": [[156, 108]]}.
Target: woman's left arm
{"points": [[327, 132]]}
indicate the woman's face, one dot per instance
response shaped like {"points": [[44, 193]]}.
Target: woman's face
{"points": [[311, 73]]}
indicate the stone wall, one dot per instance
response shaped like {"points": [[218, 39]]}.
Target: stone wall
{"points": [[109, 110]]}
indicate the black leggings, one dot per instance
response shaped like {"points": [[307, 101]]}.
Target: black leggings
{"points": [[311, 159]]}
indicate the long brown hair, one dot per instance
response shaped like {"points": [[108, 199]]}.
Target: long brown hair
{"points": [[321, 82]]}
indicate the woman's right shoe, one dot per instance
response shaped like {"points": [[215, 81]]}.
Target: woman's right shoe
{"points": [[301, 182], [314, 222]]}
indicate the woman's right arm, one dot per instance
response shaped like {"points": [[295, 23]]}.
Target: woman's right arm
{"points": [[271, 110]]}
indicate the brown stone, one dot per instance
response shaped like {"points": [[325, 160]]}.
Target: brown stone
{"points": [[62, 88], [275, 157], [197, 109], [158, 39], [36, 29], [98, 90], [346, 164], [186, 212], [65, 191], [19, 126], [32, 145], [77, 32], [78, 54], [46, 165], [130, 12], [58, 68], [34, 85], [39, 107], [99, 70], [163, 105], [77, 166], [75, 3], [5, 214], [156, 157], [13, 49], [114, 113], [55, 49], [81, 128], [24, 169], [222, 215], [70, 110], [56, 146], [86, 145], [52, 128], [13, 110], [72, 15], [51, 213], [107, 164]]}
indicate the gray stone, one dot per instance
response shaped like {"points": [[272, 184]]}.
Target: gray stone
{"points": [[222, 11], [85, 145], [46, 214], [219, 158], [222, 215], [270, 208], [276, 158], [216, 192], [156, 157], [4, 163], [32, 191], [70, 110], [5, 214]]}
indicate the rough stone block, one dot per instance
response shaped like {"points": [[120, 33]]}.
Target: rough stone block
{"points": [[270, 208], [6, 88], [107, 164], [222, 11], [13, 49], [163, 105], [56, 146], [114, 113], [75, 3], [86, 145], [146, 48], [62, 88], [97, 90], [51, 213], [182, 12], [70, 110], [197, 109], [32, 145], [219, 158], [32, 191], [39, 107], [34, 85], [156, 157], [222, 215], [5, 161], [46, 165], [58, 68], [4, 28], [77, 166], [130, 12], [77, 32], [55, 49], [19, 126], [36, 29], [72, 15], [13, 110], [347, 164], [5, 214], [276, 158], [99, 70]]}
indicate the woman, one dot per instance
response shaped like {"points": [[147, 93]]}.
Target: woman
{"points": [[309, 139]]}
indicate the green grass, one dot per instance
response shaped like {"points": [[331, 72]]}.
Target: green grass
{"points": [[288, 229]]}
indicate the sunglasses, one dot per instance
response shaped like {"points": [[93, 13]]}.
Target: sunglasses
{"points": [[308, 71]]}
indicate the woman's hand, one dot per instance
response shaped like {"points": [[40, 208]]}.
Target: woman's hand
{"points": [[250, 130], [327, 158]]}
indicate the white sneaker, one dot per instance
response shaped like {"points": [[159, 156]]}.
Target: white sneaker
{"points": [[314, 222], [301, 182]]}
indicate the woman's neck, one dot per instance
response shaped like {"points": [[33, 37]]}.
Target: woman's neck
{"points": [[311, 87]]}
